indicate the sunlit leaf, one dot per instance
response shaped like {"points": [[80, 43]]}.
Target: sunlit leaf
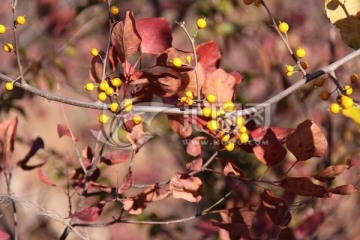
{"points": [[186, 187]]}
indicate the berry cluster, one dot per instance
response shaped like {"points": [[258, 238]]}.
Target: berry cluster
{"points": [[188, 98]]}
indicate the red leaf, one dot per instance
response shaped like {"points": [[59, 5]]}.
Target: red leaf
{"points": [[45, 178], [186, 187], [331, 172], [281, 133], [304, 187], [90, 214], [125, 37], [164, 84], [195, 165], [126, 182], [309, 225], [99, 187], [188, 80], [96, 67], [232, 170], [7, 140], [63, 130], [4, 235], [238, 77], [344, 189], [277, 209], [114, 157], [134, 205], [194, 146], [220, 83], [165, 59], [269, 151], [155, 34], [180, 125], [307, 141], [155, 193], [209, 56]]}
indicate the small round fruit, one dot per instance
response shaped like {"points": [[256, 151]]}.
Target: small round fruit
{"points": [[189, 94], [240, 121], [103, 118], [348, 90], [102, 96], [127, 104], [283, 27], [248, 2], [334, 108], [244, 138], [346, 102], [289, 68], [104, 85], [189, 101], [201, 23], [114, 10], [230, 146], [300, 52], [354, 78], [8, 47], [319, 82], [243, 129], [116, 82], [2, 29], [225, 138], [206, 112], [219, 113], [304, 64], [114, 107], [228, 106], [9, 86], [94, 52], [212, 125], [137, 119], [21, 20], [89, 86], [324, 95], [177, 62], [211, 98], [183, 99], [188, 59], [109, 91]]}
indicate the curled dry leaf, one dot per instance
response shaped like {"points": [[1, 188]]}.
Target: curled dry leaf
{"points": [[304, 187], [188, 80], [209, 56], [126, 182], [309, 225], [7, 140], [45, 179], [155, 193], [114, 157], [195, 165], [307, 141], [165, 59], [155, 33], [186, 187], [134, 206], [344, 189], [231, 169], [269, 151], [277, 209], [63, 130], [331, 172], [90, 214], [164, 84], [93, 186], [194, 146]]}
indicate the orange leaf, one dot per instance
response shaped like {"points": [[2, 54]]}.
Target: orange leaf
{"points": [[90, 214], [195, 165], [186, 187], [194, 146], [126, 182], [304, 187], [344, 189], [331, 172]]}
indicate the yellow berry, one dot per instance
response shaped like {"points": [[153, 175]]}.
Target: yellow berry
{"points": [[104, 85], [114, 10], [240, 121], [242, 129], [188, 59], [8, 47], [2, 29], [183, 99], [248, 2], [324, 95], [304, 64], [348, 90], [189, 101], [102, 96], [228, 106], [283, 27], [244, 138], [20, 20], [116, 82], [94, 52], [289, 68], [346, 102], [89, 86], [225, 138], [300, 52], [9, 86], [103, 118], [206, 112], [114, 107], [137, 119], [354, 78], [189, 94], [319, 82], [219, 113], [177, 62], [201, 23], [109, 91], [229, 146], [127, 105], [212, 125], [334, 108], [211, 98]]}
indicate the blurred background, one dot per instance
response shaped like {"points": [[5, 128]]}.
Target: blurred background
{"points": [[54, 49]]}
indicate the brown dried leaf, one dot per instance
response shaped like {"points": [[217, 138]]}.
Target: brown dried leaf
{"points": [[155, 193], [180, 125], [45, 179], [269, 151], [194, 146], [186, 187], [277, 209], [209, 56], [281, 133], [344, 189], [231, 169], [126, 182], [63, 130], [114, 157], [7, 140], [307, 141], [134, 206], [188, 80], [90, 214], [331, 172], [304, 187], [164, 84], [195, 165], [165, 59]]}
